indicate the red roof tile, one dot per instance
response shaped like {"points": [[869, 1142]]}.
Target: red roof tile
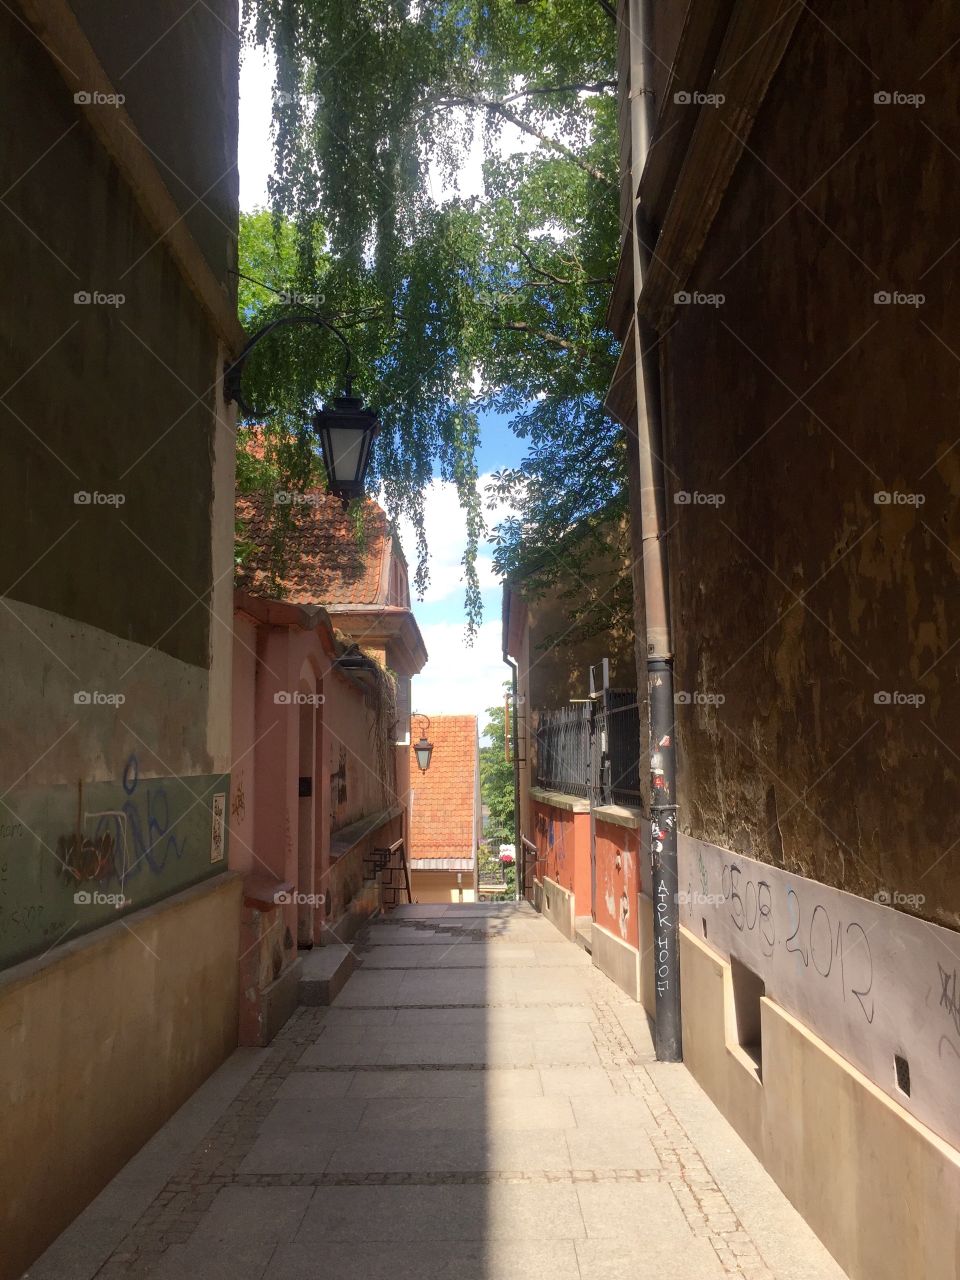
{"points": [[443, 817], [323, 561]]}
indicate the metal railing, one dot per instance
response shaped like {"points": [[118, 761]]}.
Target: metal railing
{"points": [[565, 738], [620, 713], [389, 866], [563, 750]]}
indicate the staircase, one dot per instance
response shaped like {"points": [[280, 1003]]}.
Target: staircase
{"points": [[389, 866]]}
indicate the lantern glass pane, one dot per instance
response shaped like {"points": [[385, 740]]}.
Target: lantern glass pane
{"points": [[346, 448]]}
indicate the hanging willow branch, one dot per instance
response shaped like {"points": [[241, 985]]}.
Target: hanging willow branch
{"points": [[375, 107]]}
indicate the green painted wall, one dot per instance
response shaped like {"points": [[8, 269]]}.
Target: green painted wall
{"points": [[75, 857]]}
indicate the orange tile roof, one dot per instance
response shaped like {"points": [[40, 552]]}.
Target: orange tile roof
{"points": [[323, 561], [443, 817]]}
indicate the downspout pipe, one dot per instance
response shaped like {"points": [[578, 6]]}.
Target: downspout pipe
{"points": [[653, 526], [519, 856]]}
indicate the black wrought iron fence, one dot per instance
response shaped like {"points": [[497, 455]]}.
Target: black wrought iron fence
{"points": [[563, 750], [621, 715]]}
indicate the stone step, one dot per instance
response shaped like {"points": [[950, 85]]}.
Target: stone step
{"points": [[583, 933], [325, 970]]}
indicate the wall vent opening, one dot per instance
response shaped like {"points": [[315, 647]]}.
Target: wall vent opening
{"points": [[748, 991], [703, 925], [902, 1067]]}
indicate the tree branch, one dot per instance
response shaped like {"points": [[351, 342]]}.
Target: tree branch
{"points": [[495, 107], [604, 5], [596, 86], [549, 275], [554, 339]]}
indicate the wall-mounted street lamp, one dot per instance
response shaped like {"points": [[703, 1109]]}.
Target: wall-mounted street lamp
{"points": [[423, 749], [346, 429]]}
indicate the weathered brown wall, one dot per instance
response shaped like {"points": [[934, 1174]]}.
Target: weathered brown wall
{"points": [[114, 763], [118, 399], [560, 655], [801, 599]]}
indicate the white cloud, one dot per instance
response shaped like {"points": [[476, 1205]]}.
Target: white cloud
{"points": [[257, 69], [458, 680], [446, 529]]}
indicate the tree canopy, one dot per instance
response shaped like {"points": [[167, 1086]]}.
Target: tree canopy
{"points": [[456, 304], [496, 780]]}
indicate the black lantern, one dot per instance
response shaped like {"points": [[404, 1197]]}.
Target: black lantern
{"points": [[423, 749], [346, 430]]}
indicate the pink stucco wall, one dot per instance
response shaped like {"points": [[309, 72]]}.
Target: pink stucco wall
{"points": [[618, 880], [355, 786], [563, 850], [296, 716]]}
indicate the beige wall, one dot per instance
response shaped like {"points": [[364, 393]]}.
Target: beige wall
{"points": [[441, 886], [100, 1042], [878, 1187]]}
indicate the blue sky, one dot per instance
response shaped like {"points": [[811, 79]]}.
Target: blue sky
{"points": [[461, 678], [499, 447]]}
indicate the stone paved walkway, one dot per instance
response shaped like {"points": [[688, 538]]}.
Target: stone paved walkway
{"points": [[479, 1103]]}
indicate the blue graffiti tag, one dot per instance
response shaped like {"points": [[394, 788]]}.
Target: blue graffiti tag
{"points": [[145, 835]]}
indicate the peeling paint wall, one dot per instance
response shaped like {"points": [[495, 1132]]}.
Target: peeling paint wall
{"points": [[618, 880], [563, 850]]}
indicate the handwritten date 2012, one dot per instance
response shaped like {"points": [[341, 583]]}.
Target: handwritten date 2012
{"points": [[843, 949]]}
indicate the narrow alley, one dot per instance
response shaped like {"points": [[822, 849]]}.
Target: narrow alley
{"points": [[479, 1102]]}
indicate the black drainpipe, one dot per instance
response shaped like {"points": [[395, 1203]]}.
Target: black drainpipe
{"points": [[659, 639], [519, 856]]}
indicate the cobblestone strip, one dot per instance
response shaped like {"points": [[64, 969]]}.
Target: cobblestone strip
{"points": [[708, 1212], [176, 1212]]}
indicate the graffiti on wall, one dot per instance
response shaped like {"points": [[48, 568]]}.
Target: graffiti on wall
{"points": [[879, 986], [238, 807], [72, 856], [139, 835]]}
